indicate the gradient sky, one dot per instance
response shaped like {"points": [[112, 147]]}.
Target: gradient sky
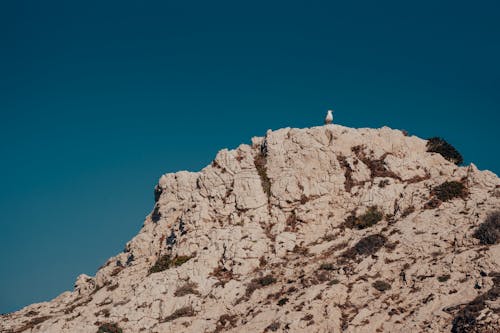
{"points": [[99, 98]]}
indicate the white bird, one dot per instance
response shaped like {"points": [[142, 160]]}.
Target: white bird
{"points": [[329, 117]]}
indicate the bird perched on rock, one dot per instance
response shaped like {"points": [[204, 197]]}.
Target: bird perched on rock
{"points": [[329, 117]]}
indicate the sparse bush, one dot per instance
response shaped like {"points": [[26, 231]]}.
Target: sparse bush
{"points": [[371, 217], [440, 146], [333, 282], [377, 167], [186, 311], [186, 289], [349, 182], [165, 262], [222, 274], [273, 327], [283, 301], [31, 324], [291, 222], [383, 183], [226, 321], [408, 211], [109, 328], [381, 285], [433, 203], [443, 278], [467, 319], [327, 267], [368, 245], [259, 283], [266, 280], [488, 232], [113, 287], [260, 164], [449, 190], [161, 264], [321, 276], [117, 270]]}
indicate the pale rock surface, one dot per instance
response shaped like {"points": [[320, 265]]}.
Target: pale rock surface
{"points": [[295, 240]]}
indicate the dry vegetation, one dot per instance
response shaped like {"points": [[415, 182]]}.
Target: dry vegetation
{"points": [[166, 262], [488, 232]]}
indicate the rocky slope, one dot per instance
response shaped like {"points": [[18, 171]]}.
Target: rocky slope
{"points": [[324, 229]]}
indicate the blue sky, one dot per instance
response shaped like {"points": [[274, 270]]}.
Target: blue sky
{"points": [[99, 98]]}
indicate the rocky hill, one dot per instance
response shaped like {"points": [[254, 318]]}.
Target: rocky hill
{"points": [[324, 229]]}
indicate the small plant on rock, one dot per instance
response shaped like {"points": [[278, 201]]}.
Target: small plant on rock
{"points": [[443, 278], [468, 319], [488, 232], [366, 246], [381, 285], [283, 301], [166, 262], [449, 190], [273, 327], [109, 328], [371, 217], [266, 280], [327, 267], [259, 283], [186, 311], [440, 146], [260, 162], [432, 204], [333, 282], [186, 289], [226, 321]]}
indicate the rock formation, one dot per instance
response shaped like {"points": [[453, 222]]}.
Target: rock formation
{"points": [[324, 229]]}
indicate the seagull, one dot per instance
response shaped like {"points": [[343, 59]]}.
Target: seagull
{"points": [[329, 117]]}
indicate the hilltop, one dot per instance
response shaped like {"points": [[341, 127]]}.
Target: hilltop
{"points": [[323, 229]]}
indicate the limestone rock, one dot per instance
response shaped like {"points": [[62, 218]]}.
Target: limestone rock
{"points": [[323, 229]]}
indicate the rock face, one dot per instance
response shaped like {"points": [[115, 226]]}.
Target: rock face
{"points": [[325, 229]]}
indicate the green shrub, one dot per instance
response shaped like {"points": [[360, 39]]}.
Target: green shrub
{"points": [[488, 232], [258, 283], [109, 328], [381, 285], [449, 190], [366, 246], [266, 280], [440, 146], [166, 262], [333, 282], [370, 244], [443, 278], [371, 217]]}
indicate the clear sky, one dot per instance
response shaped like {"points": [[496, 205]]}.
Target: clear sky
{"points": [[99, 98]]}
